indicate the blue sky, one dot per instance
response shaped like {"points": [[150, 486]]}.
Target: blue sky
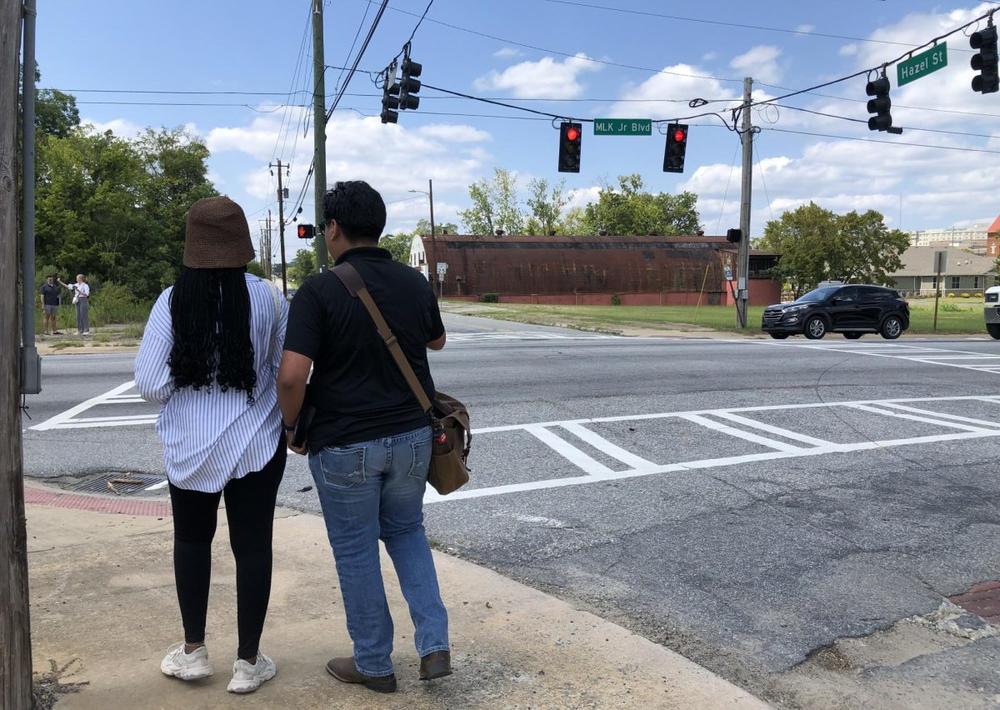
{"points": [[253, 46]]}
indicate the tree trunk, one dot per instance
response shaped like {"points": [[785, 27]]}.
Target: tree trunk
{"points": [[15, 638]]}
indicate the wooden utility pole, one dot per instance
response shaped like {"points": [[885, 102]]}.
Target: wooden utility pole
{"points": [[281, 224], [319, 130], [743, 257], [15, 631]]}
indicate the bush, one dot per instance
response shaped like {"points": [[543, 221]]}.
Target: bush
{"points": [[965, 295], [949, 295], [490, 298], [616, 300], [114, 303], [950, 308]]}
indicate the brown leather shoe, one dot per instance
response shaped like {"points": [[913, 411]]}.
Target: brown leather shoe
{"points": [[344, 670], [435, 665]]}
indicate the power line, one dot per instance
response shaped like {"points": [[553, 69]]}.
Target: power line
{"points": [[868, 72], [905, 128], [721, 23], [607, 62], [282, 137], [420, 22], [873, 140], [357, 59], [361, 26]]}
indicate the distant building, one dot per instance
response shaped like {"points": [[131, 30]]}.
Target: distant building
{"points": [[639, 270], [973, 239], [993, 239], [963, 273]]}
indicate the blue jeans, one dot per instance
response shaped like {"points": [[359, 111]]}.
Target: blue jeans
{"points": [[370, 491]]}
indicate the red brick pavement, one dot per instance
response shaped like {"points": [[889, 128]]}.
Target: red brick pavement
{"points": [[982, 599], [97, 504]]}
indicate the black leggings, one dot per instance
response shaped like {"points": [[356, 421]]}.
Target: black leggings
{"points": [[250, 510]]}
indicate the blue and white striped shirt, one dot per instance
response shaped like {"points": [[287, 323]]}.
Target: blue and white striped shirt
{"points": [[209, 436]]}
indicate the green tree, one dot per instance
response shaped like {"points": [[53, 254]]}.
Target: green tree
{"points": [[398, 245], [546, 207], [494, 205], [115, 209], [865, 250], [804, 238], [56, 113], [818, 245], [630, 210], [256, 269], [303, 266]]}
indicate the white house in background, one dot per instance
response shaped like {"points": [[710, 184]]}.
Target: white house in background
{"points": [[964, 272], [969, 238]]}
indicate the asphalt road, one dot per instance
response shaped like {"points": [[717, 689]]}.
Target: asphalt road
{"points": [[747, 503]]}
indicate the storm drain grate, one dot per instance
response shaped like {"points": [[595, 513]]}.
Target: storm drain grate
{"points": [[982, 599], [118, 483]]}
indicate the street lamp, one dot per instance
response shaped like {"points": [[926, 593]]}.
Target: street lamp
{"points": [[432, 259]]}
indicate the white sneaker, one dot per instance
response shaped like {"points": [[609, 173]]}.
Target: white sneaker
{"points": [[247, 677], [186, 666]]}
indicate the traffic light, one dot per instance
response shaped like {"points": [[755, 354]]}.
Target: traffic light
{"points": [[734, 236], [985, 62], [306, 231], [677, 142], [409, 86], [570, 145], [390, 95], [881, 105]]}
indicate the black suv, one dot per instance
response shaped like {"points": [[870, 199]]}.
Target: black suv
{"points": [[851, 310]]}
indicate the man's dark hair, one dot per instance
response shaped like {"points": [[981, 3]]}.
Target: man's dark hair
{"points": [[357, 208]]}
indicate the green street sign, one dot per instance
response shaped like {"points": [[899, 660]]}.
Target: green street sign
{"points": [[623, 127], [920, 65]]}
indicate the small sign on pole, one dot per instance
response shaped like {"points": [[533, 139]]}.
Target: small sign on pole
{"points": [[442, 268]]}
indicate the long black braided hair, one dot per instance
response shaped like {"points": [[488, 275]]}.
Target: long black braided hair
{"points": [[210, 310]]}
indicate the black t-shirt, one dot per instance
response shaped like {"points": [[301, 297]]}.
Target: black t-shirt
{"points": [[357, 388], [50, 294]]}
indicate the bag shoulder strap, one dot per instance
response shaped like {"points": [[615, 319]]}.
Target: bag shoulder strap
{"points": [[355, 285]]}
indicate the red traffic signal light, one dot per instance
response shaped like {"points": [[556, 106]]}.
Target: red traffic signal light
{"points": [[570, 146], [673, 157], [306, 231]]}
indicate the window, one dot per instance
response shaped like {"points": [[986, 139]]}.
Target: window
{"points": [[955, 282], [976, 282]]}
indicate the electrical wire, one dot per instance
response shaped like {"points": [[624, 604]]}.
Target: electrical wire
{"points": [[905, 128], [357, 59], [721, 23], [962, 149], [868, 72], [537, 48], [361, 26]]}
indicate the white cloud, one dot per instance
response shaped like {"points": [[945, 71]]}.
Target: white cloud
{"points": [[455, 133], [582, 196], [806, 28], [664, 94], [363, 149], [547, 77], [760, 62], [121, 127], [709, 56], [507, 53], [849, 50]]}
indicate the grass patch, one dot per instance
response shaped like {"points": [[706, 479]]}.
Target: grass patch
{"points": [[962, 318]]}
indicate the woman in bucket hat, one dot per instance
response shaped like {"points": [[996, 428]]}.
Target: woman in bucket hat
{"points": [[209, 357]]}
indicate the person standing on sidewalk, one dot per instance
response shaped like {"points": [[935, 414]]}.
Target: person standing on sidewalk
{"points": [[369, 442], [50, 305], [209, 356], [81, 299]]}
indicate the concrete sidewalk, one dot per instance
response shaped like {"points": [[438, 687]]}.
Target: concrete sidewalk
{"points": [[104, 608]]}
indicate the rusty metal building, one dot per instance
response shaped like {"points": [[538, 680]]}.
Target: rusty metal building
{"points": [[589, 269]]}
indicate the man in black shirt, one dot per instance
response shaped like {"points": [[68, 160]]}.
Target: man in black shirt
{"points": [[369, 442], [50, 304]]}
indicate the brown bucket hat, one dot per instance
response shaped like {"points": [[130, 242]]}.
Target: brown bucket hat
{"points": [[217, 235]]}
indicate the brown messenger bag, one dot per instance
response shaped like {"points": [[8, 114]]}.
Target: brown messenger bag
{"points": [[452, 434]]}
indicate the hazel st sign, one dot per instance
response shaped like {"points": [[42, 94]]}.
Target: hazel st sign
{"points": [[920, 65], [623, 127]]}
